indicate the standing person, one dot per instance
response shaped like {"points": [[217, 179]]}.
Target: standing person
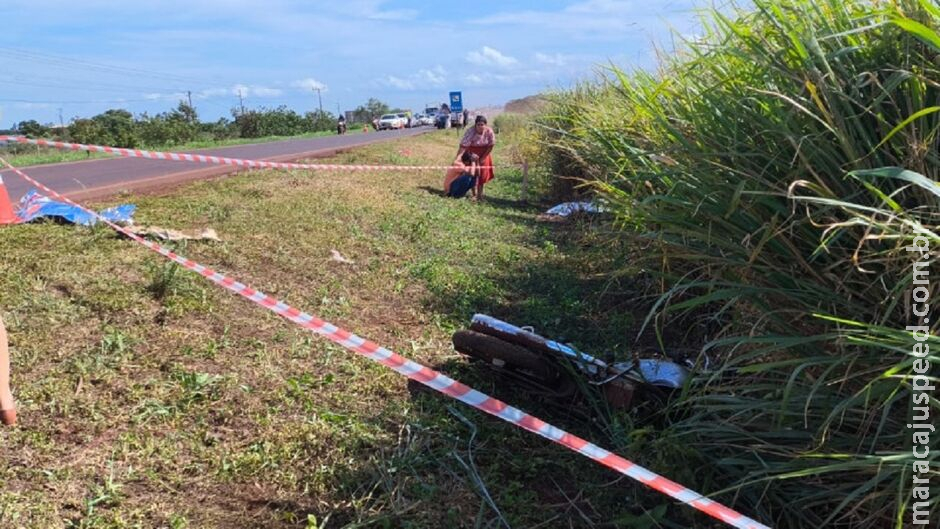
{"points": [[480, 141], [466, 117], [7, 406]]}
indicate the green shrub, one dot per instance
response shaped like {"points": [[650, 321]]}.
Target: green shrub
{"points": [[761, 167]]}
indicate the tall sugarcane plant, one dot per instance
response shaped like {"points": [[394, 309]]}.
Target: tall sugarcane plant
{"points": [[775, 167]]}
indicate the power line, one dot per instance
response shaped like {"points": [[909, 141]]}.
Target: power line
{"points": [[91, 88], [96, 81], [75, 102], [69, 62]]}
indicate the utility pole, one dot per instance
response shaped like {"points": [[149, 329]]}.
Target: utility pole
{"points": [[321, 102], [61, 122], [241, 102], [192, 110]]}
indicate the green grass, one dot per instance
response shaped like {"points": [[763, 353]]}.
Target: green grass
{"points": [[148, 397], [23, 156]]}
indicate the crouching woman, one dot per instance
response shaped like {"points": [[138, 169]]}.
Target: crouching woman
{"points": [[463, 177]]}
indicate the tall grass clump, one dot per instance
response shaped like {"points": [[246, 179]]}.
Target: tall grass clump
{"points": [[775, 168]]}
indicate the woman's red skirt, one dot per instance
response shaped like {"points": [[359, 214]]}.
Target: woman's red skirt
{"points": [[486, 164]]}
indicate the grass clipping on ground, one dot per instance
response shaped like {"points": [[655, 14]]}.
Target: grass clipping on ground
{"points": [[148, 397]]}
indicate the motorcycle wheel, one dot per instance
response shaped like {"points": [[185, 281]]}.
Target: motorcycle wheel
{"points": [[506, 356]]}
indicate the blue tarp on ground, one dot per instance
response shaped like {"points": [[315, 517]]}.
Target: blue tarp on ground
{"points": [[34, 206]]}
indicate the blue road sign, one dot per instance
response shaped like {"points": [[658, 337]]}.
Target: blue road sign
{"points": [[456, 102]]}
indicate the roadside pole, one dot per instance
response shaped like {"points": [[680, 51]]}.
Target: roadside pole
{"points": [[525, 182]]}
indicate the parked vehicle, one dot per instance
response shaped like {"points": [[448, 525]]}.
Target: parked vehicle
{"points": [[391, 121]]}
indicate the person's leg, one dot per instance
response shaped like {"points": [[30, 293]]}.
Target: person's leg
{"points": [[7, 406]]}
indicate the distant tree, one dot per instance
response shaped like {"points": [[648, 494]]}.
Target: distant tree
{"points": [[371, 110], [317, 121], [33, 129], [185, 113], [220, 130], [119, 128], [84, 130], [281, 121], [377, 108]]}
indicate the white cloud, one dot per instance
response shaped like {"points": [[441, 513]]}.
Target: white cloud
{"points": [[399, 83], [309, 84], [397, 14], [423, 78], [28, 105], [597, 19], [263, 91], [505, 79], [212, 92], [372, 10], [487, 56], [255, 91], [474, 79], [434, 77], [156, 96], [552, 60]]}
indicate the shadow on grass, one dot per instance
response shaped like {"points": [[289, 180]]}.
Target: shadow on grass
{"points": [[489, 200]]}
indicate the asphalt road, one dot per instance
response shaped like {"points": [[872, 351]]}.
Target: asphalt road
{"points": [[104, 177]]}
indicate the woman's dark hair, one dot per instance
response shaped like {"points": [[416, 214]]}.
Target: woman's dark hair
{"points": [[481, 119]]}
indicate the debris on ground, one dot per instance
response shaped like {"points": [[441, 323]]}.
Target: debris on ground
{"points": [[338, 257], [167, 234], [34, 206], [565, 210]]}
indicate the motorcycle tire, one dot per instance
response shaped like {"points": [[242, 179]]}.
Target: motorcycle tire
{"points": [[506, 356]]}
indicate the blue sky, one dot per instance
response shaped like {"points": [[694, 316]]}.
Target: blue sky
{"points": [[85, 57]]}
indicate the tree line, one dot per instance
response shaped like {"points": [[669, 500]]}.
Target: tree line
{"points": [[121, 128]]}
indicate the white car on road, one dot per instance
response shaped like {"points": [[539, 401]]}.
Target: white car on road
{"points": [[391, 121]]}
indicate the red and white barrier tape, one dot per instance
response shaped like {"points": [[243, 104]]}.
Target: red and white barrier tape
{"points": [[217, 160], [438, 381]]}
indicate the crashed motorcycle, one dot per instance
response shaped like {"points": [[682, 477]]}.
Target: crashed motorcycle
{"points": [[558, 370]]}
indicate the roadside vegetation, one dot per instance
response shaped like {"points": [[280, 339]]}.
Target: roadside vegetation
{"points": [[150, 398], [26, 155], [770, 174], [179, 128]]}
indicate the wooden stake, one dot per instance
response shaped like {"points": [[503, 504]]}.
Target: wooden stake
{"points": [[525, 182]]}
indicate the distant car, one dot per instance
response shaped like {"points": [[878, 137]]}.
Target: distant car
{"points": [[405, 120], [426, 120], [391, 121]]}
